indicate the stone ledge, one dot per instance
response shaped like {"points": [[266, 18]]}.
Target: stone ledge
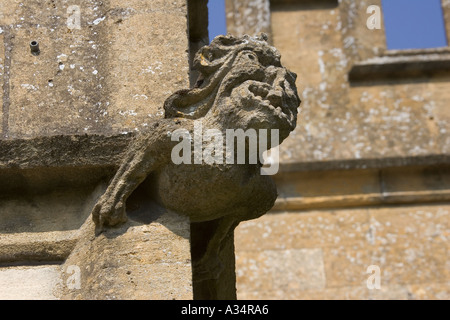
{"points": [[361, 200], [366, 163], [306, 4], [397, 66], [362, 187], [37, 246], [106, 151], [63, 151]]}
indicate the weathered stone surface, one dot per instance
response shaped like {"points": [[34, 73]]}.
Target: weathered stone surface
{"points": [[304, 190], [342, 293], [399, 66], [430, 291], [349, 125], [224, 287], [147, 259], [408, 227], [29, 283], [73, 85], [57, 211], [280, 270], [446, 12], [346, 122], [409, 244], [42, 211], [2, 81], [66, 151], [248, 16], [327, 182], [64, 115], [370, 140], [399, 265], [313, 229], [151, 65], [37, 246]]}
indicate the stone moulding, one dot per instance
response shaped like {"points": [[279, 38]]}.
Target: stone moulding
{"points": [[405, 67], [62, 151], [106, 151]]}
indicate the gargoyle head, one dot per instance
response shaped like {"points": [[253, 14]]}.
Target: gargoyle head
{"points": [[242, 84]]}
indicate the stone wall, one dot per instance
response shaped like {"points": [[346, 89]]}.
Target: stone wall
{"points": [[364, 178], [103, 72], [108, 76]]}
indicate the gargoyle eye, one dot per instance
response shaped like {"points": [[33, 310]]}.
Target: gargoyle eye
{"points": [[251, 56]]}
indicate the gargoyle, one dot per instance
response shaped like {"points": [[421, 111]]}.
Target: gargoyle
{"points": [[242, 85]]}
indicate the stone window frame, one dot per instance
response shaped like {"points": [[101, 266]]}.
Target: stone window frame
{"points": [[403, 64], [396, 65]]}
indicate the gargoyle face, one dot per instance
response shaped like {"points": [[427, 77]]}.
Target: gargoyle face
{"points": [[242, 85], [259, 93]]}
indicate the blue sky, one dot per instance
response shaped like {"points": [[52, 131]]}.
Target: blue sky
{"points": [[217, 21], [414, 24], [409, 24]]}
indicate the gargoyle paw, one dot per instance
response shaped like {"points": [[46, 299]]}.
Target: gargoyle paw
{"points": [[107, 213]]}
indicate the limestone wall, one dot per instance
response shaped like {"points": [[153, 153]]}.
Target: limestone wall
{"points": [[104, 70], [364, 177], [109, 74]]}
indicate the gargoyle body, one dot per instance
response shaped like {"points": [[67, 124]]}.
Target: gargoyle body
{"points": [[242, 85]]}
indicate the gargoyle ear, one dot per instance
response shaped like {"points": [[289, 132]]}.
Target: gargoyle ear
{"points": [[208, 61]]}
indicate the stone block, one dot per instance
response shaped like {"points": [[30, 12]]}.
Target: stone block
{"points": [[327, 183], [311, 229], [155, 5], [430, 291], [279, 270], [29, 282], [151, 63], [111, 75], [2, 77], [248, 17], [346, 266], [419, 263], [142, 259], [341, 293], [59, 91], [410, 226], [39, 213]]}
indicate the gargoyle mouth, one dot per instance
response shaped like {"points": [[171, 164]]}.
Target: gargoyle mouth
{"points": [[274, 99]]}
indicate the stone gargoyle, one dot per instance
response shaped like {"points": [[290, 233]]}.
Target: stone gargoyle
{"points": [[241, 85]]}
